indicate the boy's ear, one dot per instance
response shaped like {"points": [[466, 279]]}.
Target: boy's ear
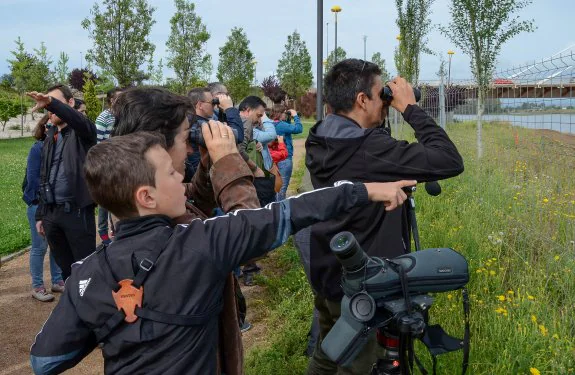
{"points": [[145, 197]]}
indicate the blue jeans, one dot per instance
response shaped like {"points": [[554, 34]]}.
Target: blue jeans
{"points": [[285, 167], [103, 224], [37, 252]]}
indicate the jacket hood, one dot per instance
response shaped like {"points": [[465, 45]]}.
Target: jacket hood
{"points": [[331, 143]]}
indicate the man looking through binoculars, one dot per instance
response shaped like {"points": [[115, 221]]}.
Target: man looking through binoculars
{"points": [[351, 144]]}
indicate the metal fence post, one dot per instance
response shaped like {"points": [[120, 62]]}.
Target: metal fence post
{"points": [[442, 119]]}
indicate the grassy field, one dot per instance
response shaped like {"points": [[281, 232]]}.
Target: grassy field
{"points": [[14, 229], [512, 214]]}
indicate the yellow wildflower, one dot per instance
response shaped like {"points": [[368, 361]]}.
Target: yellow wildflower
{"points": [[555, 336], [556, 257], [533, 318], [543, 330], [545, 200], [449, 296], [534, 371], [492, 273], [530, 297], [501, 298], [510, 292]]}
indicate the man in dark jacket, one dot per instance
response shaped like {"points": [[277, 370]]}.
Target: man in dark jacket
{"points": [[351, 145], [66, 211]]}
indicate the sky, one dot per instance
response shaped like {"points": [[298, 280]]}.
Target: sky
{"points": [[268, 23]]}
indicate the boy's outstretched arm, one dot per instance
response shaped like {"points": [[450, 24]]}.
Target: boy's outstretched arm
{"points": [[64, 340], [246, 234]]}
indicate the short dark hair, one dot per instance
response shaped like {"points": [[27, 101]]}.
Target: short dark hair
{"points": [[217, 88], [40, 129], [198, 94], [151, 109], [78, 103], [65, 90], [346, 79], [251, 102], [111, 93], [112, 181]]}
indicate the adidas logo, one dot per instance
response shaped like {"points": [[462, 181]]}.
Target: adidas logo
{"points": [[83, 284]]}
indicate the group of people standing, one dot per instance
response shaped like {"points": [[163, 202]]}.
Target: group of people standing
{"points": [[222, 218]]}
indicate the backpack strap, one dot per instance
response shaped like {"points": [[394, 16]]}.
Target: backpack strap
{"points": [[144, 268]]}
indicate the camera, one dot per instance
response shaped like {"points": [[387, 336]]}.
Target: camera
{"points": [[215, 101], [389, 294], [47, 194], [288, 116], [387, 95], [197, 138]]}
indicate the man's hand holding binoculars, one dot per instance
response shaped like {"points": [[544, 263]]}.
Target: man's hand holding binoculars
{"points": [[403, 94], [225, 101]]}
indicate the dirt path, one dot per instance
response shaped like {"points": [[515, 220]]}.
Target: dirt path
{"points": [[21, 316]]}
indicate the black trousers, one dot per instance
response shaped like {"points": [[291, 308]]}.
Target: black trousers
{"points": [[71, 234]]}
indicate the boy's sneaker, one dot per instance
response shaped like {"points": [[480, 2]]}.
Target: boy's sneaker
{"points": [[42, 295], [246, 326], [59, 287]]}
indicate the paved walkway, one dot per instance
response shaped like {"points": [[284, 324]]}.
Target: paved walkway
{"points": [[22, 317]]}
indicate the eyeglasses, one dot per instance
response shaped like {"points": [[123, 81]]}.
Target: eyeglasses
{"points": [[360, 73]]}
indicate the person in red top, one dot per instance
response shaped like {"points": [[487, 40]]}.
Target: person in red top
{"points": [[278, 149]]}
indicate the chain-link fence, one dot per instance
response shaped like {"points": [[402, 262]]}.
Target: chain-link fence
{"points": [[540, 95]]}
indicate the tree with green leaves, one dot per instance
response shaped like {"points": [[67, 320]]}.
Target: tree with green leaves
{"points": [[93, 105], [294, 67], [414, 25], [157, 77], [236, 68], [187, 46], [379, 61], [62, 69], [120, 32], [9, 108], [30, 72], [331, 60], [42, 76], [480, 28]]}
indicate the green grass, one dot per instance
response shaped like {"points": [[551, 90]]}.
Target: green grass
{"points": [[512, 214], [307, 124], [14, 229], [291, 302]]}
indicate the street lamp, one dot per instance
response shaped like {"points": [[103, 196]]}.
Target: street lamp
{"points": [[335, 9], [364, 48], [326, 39], [450, 53]]}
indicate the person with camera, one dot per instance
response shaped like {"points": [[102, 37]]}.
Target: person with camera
{"points": [[226, 183], [65, 213], [285, 128], [204, 103], [351, 144]]}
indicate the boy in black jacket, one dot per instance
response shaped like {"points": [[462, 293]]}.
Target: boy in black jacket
{"points": [[153, 296]]}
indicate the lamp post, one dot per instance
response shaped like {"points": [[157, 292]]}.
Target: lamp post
{"points": [[450, 53], [319, 57], [326, 39], [335, 9], [81, 60], [365, 47]]}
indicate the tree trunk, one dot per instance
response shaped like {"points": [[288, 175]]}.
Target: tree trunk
{"points": [[480, 109]]}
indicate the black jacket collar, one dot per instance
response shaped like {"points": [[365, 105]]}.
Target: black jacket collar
{"points": [[132, 226]]}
